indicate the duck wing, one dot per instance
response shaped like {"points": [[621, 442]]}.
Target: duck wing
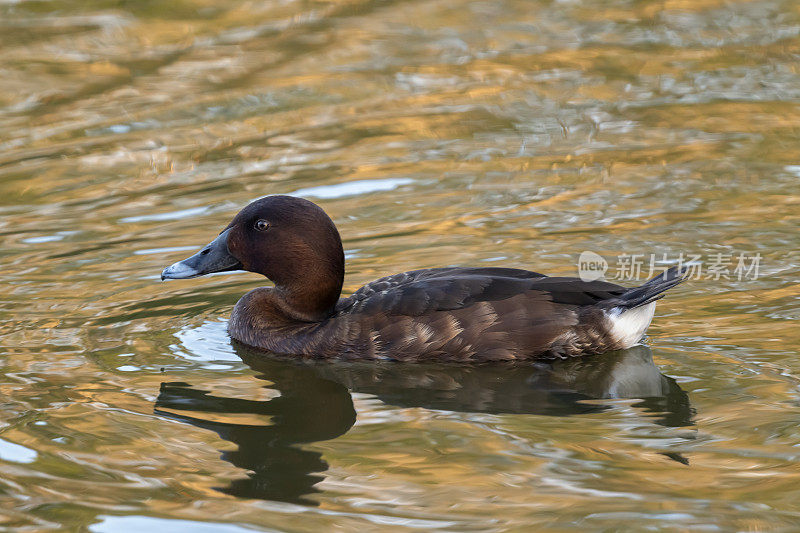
{"points": [[420, 292], [477, 315]]}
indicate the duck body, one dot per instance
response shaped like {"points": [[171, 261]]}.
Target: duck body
{"points": [[440, 314]]}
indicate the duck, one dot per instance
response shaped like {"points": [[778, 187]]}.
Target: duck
{"points": [[452, 314]]}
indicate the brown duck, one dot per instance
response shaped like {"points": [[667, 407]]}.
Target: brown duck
{"points": [[452, 314]]}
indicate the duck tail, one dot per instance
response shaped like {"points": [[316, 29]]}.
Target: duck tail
{"points": [[652, 290]]}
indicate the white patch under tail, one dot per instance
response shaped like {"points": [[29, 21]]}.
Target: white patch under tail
{"points": [[628, 325]]}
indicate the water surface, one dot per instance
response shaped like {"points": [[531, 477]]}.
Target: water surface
{"points": [[511, 133]]}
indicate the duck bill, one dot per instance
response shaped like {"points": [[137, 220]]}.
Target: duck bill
{"points": [[214, 257]]}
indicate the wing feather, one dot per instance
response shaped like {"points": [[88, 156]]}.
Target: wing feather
{"points": [[447, 289]]}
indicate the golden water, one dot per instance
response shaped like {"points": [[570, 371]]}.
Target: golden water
{"points": [[513, 133]]}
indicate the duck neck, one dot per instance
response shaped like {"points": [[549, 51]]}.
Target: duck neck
{"points": [[313, 295]]}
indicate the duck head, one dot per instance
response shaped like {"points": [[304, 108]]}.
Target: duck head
{"points": [[289, 240]]}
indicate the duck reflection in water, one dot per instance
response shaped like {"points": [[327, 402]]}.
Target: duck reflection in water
{"points": [[315, 405]]}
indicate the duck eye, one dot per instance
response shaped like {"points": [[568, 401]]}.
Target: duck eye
{"points": [[262, 225]]}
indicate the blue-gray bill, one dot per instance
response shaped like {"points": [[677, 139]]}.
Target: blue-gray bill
{"points": [[214, 257]]}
